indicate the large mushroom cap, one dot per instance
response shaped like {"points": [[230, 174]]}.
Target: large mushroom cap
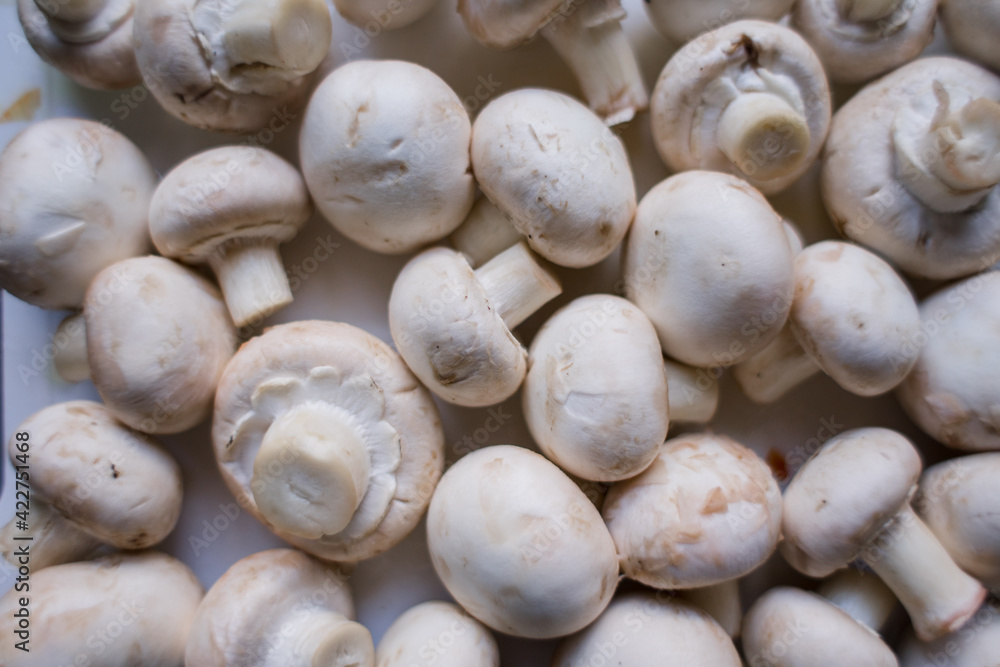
{"points": [[977, 644], [971, 26], [504, 24], [437, 634]]}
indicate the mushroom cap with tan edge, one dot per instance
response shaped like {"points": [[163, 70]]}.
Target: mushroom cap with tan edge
{"points": [[708, 261], [898, 178], [557, 172], [74, 198], [438, 634], [972, 27], [644, 629], [595, 396], [519, 545], [975, 645], [854, 316], [231, 65], [324, 435], [707, 510], [389, 14], [279, 608], [158, 339], [953, 391], [117, 611], [680, 21], [790, 627], [385, 151], [749, 98]]}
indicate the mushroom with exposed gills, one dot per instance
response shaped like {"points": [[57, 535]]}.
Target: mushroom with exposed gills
{"points": [[680, 21], [972, 27], [441, 634]]}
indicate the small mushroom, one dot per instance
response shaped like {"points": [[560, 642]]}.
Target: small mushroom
{"points": [[858, 40], [912, 164], [519, 545], [279, 607], [90, 41], [977, 644], [158, 338], [231, 65], [693, 393], [861, 595], [680, 21], [586, 33], [708, 262], [721, 601], [595, 396], [484, 234], [645, 630], [453, 325], [972, 27], [559, 175], [440, 634], [231, 207], [90, 473], [707, 510], [117, 611], [74, 198], [325, 436], [70, 358], [385, 151], [953, 392], [388, 14], [749, 98], [850, 501]]}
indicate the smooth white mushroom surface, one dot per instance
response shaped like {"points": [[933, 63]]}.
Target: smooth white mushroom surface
{"points": [[693, 393], [326, 437], [912, 164], [519, 545], [437, 634], [972, 27], [387, 14], [722, 602], [976, 644], [70, 341], [385, 151], [861, 595], [680, 21], [74, 198], [595, 396], [485, 233], [749, 98]]}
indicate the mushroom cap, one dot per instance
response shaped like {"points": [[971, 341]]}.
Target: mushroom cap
{"points": [[519, 545], [844, 496], [116, 484], [385, 151], [504, 24], [869, 203], [977, 644], [960, 501], [707, 510], [707, 260], [116, 611], [249, 606], [449, 334], [971, 26], [854, 316], [56, 235], [644, 629], [557, 172], [789, 627], [682, 21], [706, 74], [361, 378], [595, 396], [390, 14], [158, 338], [953, 391], [227, 195], [461, 641]]}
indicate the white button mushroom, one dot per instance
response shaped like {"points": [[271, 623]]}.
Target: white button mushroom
{"points": [[861, 595], [586, 33], [708, 262], [158, 338], [559, 175], [977, 644], [385, 151], [114, 484], [682, 20], [707, 510], [231, 65], [57, 232], [116, 611], [278, 608], [231, 207], [390, 14], [438, 634], [519, 545], [595, 396], [327, 438], [953, 392], [972, 27], [749, 98], [453, 325], [693, 393], [852, 501], [721, 601], [70, 358], [912, 165]]}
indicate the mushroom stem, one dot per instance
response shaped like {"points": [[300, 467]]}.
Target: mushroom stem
{"points": [[768, 375], [327, 638], [71, 11], [252, 278], [721, 602], [311, 471], [54, 539], [693, 393], [589, 37], [517, 284], [485, 233], [71, 349], [283, 38], [938, 596], [861, 11], [862, 596], [763, 135]]}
